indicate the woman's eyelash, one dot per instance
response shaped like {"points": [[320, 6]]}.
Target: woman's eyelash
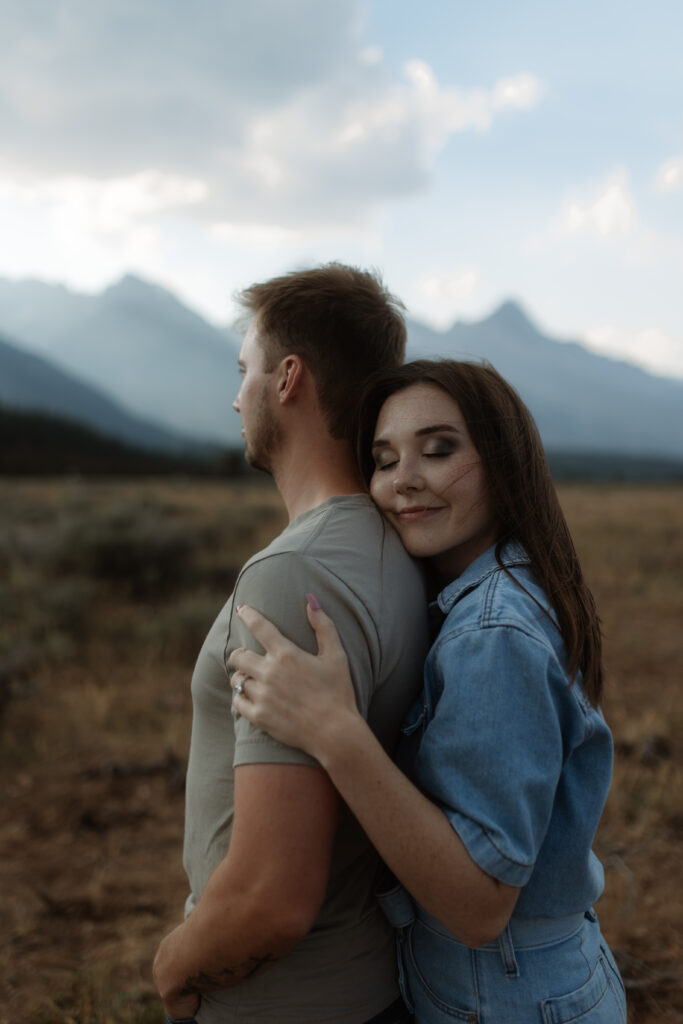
{"points": [[427, 455]]}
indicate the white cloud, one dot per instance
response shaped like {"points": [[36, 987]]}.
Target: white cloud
{"points": [[670, 175], [521, 92], [110, 205], [651, 347], [283, 112], [444, 111], [442, 296], [607, 218], [610, 212], [254, 234], [334, 154], [454, 287], [89, 230], [370, 55]]}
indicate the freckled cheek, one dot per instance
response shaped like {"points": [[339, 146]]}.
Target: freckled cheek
{"points": [[381, 492], [465, 484]]}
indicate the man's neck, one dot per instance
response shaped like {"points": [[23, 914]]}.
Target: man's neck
{"points": [[308, 475]]}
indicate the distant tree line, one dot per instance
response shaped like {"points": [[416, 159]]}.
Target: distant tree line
{"points": [[38, 444], [609, 467]]}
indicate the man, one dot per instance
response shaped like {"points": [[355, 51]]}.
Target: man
{"points": [[281, 922]]}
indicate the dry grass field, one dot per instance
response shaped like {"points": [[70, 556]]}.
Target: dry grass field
{"points": [[106, 591]]}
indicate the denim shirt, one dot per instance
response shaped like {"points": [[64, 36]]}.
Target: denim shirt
{"points": [[515, 756]]}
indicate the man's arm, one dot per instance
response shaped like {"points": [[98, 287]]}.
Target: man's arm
{"points": [[265, 895]]}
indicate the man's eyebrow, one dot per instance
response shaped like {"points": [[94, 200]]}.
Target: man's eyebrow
{"points": [[436, 428]]}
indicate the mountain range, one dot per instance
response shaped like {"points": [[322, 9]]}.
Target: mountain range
{"points": [[150, 353], [580, 400], [134, 360], [29, 381]]}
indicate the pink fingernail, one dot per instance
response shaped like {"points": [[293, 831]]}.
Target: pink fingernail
{"points": [[239, 608], [313, 601]]}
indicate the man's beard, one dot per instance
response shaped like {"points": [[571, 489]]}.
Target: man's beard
{"points": [[264, 440]]}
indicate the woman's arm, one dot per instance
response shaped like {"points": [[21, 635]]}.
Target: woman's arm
{"points": [[308, 701]]}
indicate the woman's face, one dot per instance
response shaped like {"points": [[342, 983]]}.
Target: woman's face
{"points": [[429, 480]]}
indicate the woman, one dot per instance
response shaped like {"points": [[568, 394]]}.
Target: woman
{"points": [[507, 758]]}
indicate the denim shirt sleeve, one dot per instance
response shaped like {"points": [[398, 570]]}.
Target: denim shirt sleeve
{"points": [[491, 752]]}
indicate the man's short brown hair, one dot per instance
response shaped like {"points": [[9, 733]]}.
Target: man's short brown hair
{"points": [[341, 321]]}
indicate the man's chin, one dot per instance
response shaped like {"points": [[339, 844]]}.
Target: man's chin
{"points": [[257, 462]]}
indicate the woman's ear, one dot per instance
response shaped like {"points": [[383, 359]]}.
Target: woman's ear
{"points": [[291, 371]]}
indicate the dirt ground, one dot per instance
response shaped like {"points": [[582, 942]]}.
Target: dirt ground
{"points": [[106, 591]]}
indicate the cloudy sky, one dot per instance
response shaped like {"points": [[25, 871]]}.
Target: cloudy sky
{"points": [[472, 152]]}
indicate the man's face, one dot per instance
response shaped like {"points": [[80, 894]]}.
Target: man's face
{"points": [[256, 403]]}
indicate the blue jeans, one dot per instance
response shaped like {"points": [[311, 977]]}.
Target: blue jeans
{"points": [[528, 974]]}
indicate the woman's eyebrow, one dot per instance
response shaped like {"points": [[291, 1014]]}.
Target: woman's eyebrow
{"points": [[437, 428]]}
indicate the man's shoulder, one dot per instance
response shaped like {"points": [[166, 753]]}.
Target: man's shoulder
{"points": [[342, 551], [346, 528]]}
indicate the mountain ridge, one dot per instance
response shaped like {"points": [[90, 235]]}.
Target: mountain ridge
{"points": [[579, 398], [162, 362], [30, 382]]}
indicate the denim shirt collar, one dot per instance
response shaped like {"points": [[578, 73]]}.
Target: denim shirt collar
{"points": [[482, 567]]}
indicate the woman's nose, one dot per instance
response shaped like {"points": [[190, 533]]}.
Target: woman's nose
{"points": [[407, 478]]}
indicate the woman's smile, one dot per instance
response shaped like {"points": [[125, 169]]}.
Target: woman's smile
{"points": [[419, 512]]}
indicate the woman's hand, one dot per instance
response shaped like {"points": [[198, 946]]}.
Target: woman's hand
{"points": [[295, 696]]}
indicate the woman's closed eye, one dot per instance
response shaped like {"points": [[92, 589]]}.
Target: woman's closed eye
{"points": [[439, 448], [387, 463], [388, 460]]}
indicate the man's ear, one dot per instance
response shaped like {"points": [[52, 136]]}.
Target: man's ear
{"points": [[290, 376]]}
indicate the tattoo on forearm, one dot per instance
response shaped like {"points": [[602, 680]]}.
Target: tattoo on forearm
{"points": [[227, 976]]}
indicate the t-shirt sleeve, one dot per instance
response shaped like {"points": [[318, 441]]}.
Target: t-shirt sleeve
{"points": [[491, 755], [277, 586]]}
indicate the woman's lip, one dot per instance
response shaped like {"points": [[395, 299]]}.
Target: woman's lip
{"points": [[418, 512]]}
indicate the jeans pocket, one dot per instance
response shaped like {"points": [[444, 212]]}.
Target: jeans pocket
{"points": [[595, 1002], [396, 904], [435, 977], [615, 979], [402, 936]]}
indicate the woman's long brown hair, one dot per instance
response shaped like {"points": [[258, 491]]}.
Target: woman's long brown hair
{"points": [[522, 491]]}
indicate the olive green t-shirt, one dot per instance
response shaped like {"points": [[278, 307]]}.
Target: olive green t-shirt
{"points": [[343, 971]]}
